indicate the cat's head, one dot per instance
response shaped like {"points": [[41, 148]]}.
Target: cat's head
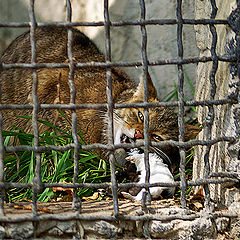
{"points": [[129, 122]]}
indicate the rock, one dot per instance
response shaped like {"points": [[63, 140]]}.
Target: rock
{"points": [[102, 228], [106, 229], [235, 229], [67, 227], [222, 224], [2, 232], [161, 230], [55, 232], [45, 226], [235, 222], [200, 228], [179, 229], [19, 230]]}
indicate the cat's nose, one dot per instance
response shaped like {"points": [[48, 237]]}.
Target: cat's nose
{"points": [[138, 135]]}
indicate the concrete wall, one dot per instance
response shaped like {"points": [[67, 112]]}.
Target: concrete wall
{"points": [[162, 44], [126, 41]]}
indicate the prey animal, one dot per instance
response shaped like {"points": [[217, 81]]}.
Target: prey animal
{"points": [[159, 173]]}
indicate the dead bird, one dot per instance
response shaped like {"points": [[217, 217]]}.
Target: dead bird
{"points": [[159, 172]]}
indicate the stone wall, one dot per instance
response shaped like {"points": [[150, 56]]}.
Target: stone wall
{"points": [[175, 223], [220, 157]]}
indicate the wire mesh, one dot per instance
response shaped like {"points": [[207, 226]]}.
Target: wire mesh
{"points": [[37, 185]]}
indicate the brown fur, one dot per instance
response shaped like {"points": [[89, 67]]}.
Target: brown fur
{"points": [[52, 48], [53, 87]]}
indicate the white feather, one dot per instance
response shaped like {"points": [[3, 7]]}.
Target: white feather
{"points": [[159, 173]]}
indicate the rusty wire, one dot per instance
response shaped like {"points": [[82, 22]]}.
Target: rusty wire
{"points": [[210, 117], [118, 24], [37, 185], [181, 104], [110, 108]]}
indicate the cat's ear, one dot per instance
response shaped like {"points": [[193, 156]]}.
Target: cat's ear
{"points": [[191, 131], [152, 92], [151, 89]]}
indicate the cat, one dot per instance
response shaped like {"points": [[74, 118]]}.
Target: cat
{"points": [[159, 172], [90, 83]]}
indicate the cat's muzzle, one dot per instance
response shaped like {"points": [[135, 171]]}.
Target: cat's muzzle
{"points": [[125, 139]]}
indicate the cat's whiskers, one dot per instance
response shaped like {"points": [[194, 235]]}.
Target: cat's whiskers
{"points": [[162, 155]]}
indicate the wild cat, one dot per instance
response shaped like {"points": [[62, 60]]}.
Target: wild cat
{"points": [[159, 172], [90, 83]]}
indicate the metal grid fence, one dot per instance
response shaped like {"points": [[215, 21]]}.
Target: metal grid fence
{"points": [[37, 185]]}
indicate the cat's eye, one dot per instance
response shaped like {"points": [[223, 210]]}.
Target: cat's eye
{"points": [[141, 117], [157, 138]]}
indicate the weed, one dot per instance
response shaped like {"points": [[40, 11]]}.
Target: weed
{"points": [[191, 119], [56, 166]]}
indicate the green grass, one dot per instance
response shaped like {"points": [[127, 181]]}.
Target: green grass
{"points": [[56, 166], [173, 94], [188, 171]]}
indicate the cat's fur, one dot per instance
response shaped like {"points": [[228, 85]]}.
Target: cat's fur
{"points": [[90, 82]]}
